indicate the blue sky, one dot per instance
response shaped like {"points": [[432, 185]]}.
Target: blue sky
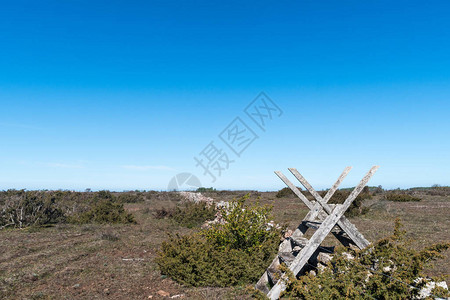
{"points": [[122, 95]]}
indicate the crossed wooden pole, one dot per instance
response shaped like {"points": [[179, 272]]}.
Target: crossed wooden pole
{"points": [[323, 217]]}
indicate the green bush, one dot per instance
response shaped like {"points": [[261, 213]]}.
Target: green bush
{"points": [[356, 208], [23, 208], [245, 226], [438, 190], [205, 189], [187, 214], [392, 196], [192, 214], [162, 213], [377, 190], [193, 261], [105, 210], [285, 192], [384, 270], [130, 197], [233, 253]]}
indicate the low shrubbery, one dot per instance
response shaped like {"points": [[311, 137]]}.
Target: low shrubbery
{"points": [[285, 192], [192, 214], [356, 208], [20, 208], [104, 208], [230, 253], [388, 269], [339, 197], [188, 214], [205, 189], [162, 213], [400, 197], [435, 190], [245, 226], [102, 212], [193, 261], [131, 197]]}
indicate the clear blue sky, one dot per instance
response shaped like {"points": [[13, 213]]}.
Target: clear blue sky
{"points": [[123, 94]]}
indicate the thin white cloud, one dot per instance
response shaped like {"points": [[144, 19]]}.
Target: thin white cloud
{"points": [[76, 165], [146, 168], [64, 166]]}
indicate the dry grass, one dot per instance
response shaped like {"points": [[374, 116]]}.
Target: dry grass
{"points": [[117, 262]]}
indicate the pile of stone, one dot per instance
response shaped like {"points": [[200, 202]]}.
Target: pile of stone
{"points": [[197, 197], [221, 207]]}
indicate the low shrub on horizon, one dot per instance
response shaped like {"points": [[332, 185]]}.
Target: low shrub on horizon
{"points": [[129, 197], [205, 189], [397, 197], [355, 209], [285, 192]]}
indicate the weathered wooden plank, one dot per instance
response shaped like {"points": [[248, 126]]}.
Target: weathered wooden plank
{"points": [[353, 233], [273, 274], [263, 282], [295, 190], [306, 184], [302, 228], [359, 188], [302, 258], [286, 257], [299, 241], [316, 239], [327, 225], [317, 209], [314, 225], [336, 185], [344, 223]]}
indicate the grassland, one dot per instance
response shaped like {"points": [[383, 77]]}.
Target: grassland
{"points": [[68, 261]]}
